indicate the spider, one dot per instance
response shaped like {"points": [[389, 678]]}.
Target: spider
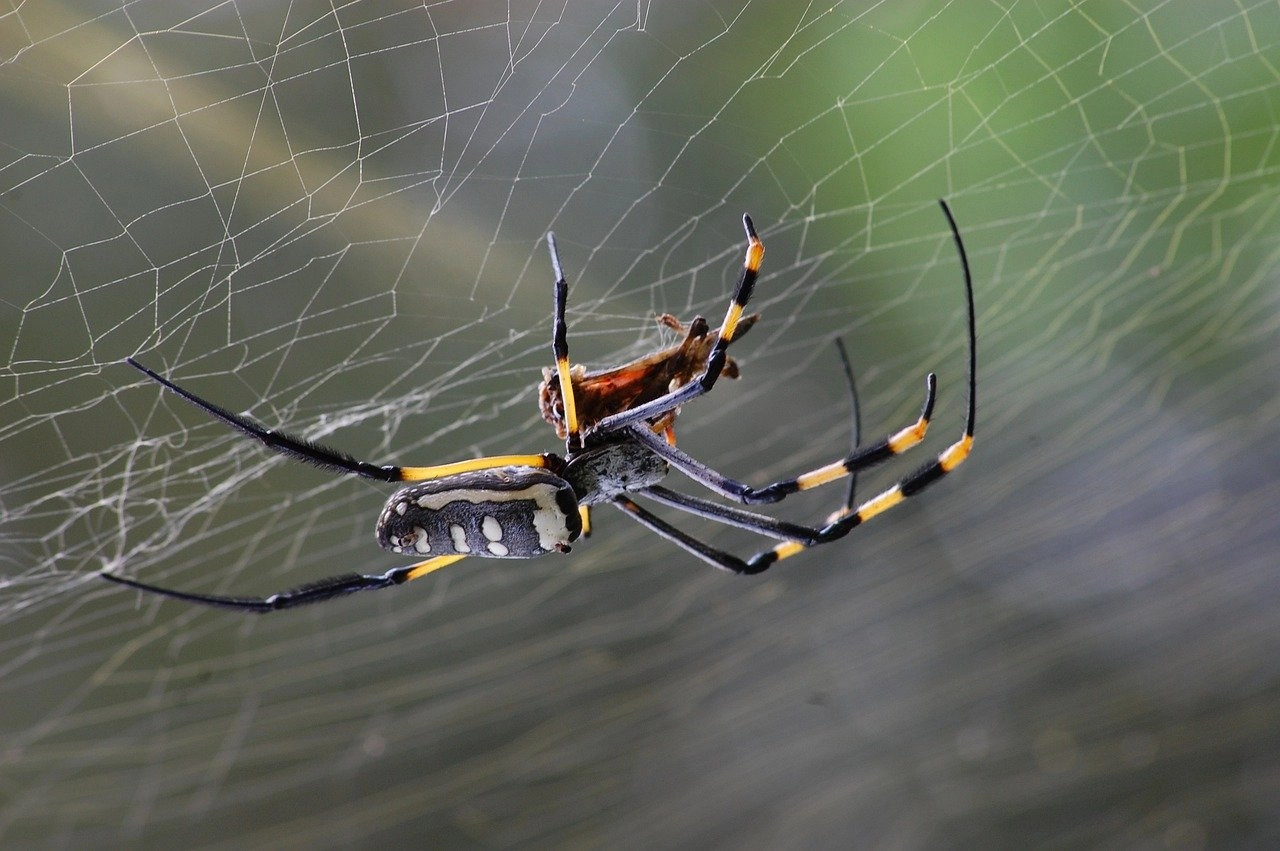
{"points": [[524, 506]]}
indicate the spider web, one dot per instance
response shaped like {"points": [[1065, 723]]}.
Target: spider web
{"points": [[331, 217]]}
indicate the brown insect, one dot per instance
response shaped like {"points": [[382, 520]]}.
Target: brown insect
{"points": [[602, 393]]}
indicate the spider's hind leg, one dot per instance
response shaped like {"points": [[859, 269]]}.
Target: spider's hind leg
{"points": [[312, 592]]}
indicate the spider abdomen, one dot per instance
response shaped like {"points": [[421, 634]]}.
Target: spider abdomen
{"points": [[506, 512]]}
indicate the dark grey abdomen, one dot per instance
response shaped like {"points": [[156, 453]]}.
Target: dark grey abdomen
{"points": [[507, 512]]}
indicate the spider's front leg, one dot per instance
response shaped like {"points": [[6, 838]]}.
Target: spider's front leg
{"points": [[302, 449], [717, 356]]}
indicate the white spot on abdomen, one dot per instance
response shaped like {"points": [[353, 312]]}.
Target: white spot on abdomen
{"points": [[492, 529], [422, 544], [498, 549], [459, 536]]}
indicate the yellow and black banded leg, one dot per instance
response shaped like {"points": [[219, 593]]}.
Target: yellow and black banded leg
{"points": [[847, 520], [715, 358], [860, 459], [560, 349], [762, 523], [843, 521], [299, 448], [795, 538], [312, 592]]}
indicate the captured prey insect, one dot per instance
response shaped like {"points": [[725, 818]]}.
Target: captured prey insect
{"points": [[618, 444], [599, 393]]}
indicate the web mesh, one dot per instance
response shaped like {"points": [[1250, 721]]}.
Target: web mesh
{"points": [[331, 217]]}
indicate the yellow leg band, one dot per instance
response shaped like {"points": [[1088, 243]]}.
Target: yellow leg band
{"points": [[881, 503], [566, 394], [956, 453], [417, 474], [430, 565], [730, 324], [788, 549], [908, 437], [822, 475]]}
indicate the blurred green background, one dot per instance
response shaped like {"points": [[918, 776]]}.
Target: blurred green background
{"points": [[331, 218]]}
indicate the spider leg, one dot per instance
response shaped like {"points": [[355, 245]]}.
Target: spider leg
{"points": [[715, 359], [796, 538], [722, 559], [844, 524], [299, 448], [793, 535], [560, 349], [859, 459], [762, 523], [957, 452], [312, 592], [844, 521], [855, 413], [731, 515]]}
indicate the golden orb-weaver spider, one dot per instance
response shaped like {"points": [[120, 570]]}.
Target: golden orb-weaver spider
{"points": [[523, 506]]}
